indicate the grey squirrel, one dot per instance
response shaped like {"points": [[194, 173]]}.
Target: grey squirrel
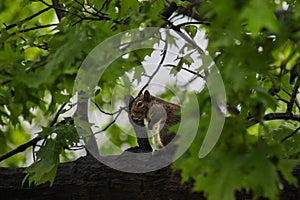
{"points": [[159, 114]]}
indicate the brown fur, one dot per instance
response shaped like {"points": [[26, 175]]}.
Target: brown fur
{"points": [[140, 112]]}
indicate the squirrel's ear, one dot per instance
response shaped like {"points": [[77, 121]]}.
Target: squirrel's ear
{"points": [[147, 96]]}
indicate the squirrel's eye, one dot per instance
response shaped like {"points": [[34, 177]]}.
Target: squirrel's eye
{"points": [[139, 104]]}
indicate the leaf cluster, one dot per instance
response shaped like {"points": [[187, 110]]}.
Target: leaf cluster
{"points": [[254, 44]]}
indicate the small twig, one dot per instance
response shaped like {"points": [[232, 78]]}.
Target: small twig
{"points": [[186, 38], [7, 27], [87, 11], [297, 104], [33, 152], [192, 23], [281, 99], [293, 96], [36, 66], [34, 28], [287, 92], [186, 69], [189, 82], [20, 148], [103, 5], [99, 18], [96, 10], [189, 40], [75, 147], [107, 113], [109, 125], [124, 45], [290, 135], [164, 53], [59, 9], [54, 120]]}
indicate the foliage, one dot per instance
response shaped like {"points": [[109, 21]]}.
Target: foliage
{"points": [[57, 138], [255, 45]]}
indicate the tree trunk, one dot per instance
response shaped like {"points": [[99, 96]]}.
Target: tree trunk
{"points": [[86, 178]]}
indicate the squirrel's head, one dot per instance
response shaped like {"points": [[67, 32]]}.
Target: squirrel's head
{"points": [[140, 107]]}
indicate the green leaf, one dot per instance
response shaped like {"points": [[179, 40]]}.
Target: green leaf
{"points": [[286, 167], [39, 77], [229, 179], [44, 169], [266, 98], [259, 14], [66, 135], [263, 178]]}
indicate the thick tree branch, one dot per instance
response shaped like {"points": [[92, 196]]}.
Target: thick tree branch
{"points": [[274, 116], [284, 116], [86, 178]]}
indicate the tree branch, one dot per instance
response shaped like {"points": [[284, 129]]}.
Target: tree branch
{"points": [[104, 112], [59, 8], [293, 96], [60, 13], [186, 38], [290, 135], [289, 94], [186, 69], [34, 28], [32, 142], [274, 116], [87, 178], [110, 123], [7, 27], [103, 5], [20, 148], [284, 116], [86, 10], [54, 120], [192, 23]]}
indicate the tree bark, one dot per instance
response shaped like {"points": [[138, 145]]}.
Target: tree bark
{"points": [[86, 178]]}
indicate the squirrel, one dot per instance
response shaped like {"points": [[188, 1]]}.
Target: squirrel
{"points": [[160, 115]]}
